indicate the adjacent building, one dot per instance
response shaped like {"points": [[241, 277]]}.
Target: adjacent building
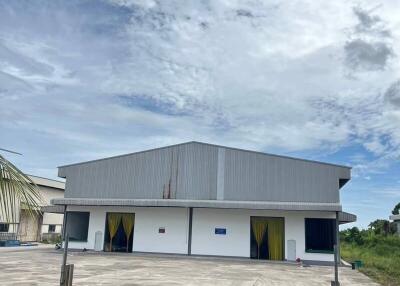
{"points": [[44, 226], [202, 199], [396, 220]]}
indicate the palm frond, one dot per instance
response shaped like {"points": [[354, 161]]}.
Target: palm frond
{"points": [[16, 190]]}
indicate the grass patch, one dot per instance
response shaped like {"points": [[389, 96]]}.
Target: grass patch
{"points": [[380, 256]]}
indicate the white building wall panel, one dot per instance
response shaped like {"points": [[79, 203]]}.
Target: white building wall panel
{"points": [[52, 218], [147, 223], [45, 228], [236, 242]]}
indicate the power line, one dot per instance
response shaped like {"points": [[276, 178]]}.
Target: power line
{"points": [[9, 151]]}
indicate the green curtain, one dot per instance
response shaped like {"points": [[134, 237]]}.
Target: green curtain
{"points": [[259, 227], [128, 221], [275, 238], [114, 219]]}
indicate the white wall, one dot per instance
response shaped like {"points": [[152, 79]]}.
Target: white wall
{"points": [[147, 222], [51, 218], [45, 228], [48, 193], [236, 242]]}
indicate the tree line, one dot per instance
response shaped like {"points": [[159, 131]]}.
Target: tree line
{"points": [[379, 227]]}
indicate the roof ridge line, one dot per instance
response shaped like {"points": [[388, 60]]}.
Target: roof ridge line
{"points": [[208, 144]]}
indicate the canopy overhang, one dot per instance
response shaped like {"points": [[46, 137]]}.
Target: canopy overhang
{"points": [[58, 209], [346, 218]]}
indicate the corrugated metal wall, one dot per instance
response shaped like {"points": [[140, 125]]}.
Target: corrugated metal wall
{"points": [[197, 177], [253, 176], [183, 172], [190, 171]]}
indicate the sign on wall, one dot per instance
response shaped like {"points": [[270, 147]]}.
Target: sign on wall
{"points": [[220, 231]]}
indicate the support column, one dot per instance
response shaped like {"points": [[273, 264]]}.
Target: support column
{"points": [[64, 224], [336, 254], [190, 231], [338, 238]]}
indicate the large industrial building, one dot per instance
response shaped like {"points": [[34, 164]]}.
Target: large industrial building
{"points": [[202, 199]]}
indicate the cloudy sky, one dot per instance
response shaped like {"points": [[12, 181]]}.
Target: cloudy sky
{"points": [[81, 80]]}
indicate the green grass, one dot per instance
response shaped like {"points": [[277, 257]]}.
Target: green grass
{"points": [[380, 256]]}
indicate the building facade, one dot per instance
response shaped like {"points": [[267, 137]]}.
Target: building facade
{"points": [[202, 199], [396, 220], [44, 226]]}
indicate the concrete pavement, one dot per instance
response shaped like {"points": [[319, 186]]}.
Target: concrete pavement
{"points": [[41, 266]]}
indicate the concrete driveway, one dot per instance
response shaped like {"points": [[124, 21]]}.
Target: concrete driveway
{"points": [[41, 266]]}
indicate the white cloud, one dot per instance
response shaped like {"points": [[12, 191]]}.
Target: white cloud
{"points": [[393, 193], [265, 75]]}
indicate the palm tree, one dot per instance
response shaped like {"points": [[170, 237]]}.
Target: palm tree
{"points": [[16, 190]]}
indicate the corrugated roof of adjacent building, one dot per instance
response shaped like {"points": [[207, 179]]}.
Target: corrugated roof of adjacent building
{"points": [[40, 181]]}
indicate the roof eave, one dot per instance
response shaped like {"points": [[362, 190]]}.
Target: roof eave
{"points": [[256, 205]]}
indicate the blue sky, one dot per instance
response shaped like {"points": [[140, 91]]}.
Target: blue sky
{"points": [[81, 80]]}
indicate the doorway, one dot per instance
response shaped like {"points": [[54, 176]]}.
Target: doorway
{"points": [[118, 236], [29, 226], [267, 238]]}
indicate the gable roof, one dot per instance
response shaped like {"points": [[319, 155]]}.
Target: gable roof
{"points": [[207, 144]]}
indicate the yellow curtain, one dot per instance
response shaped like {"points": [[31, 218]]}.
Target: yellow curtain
{"points": [[259, 227], [128, 221], [114, 219], [275, 238]]}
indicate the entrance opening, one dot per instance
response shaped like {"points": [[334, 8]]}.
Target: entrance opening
{"points": [[118, 236], [29, 226], [267, 238]]}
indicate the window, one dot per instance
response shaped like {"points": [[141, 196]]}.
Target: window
{"points": [[4, 227], [52, 228], [77, 226], [320, 235]]}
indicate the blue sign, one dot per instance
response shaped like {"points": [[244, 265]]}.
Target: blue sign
{"points": [[220, 231]]}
